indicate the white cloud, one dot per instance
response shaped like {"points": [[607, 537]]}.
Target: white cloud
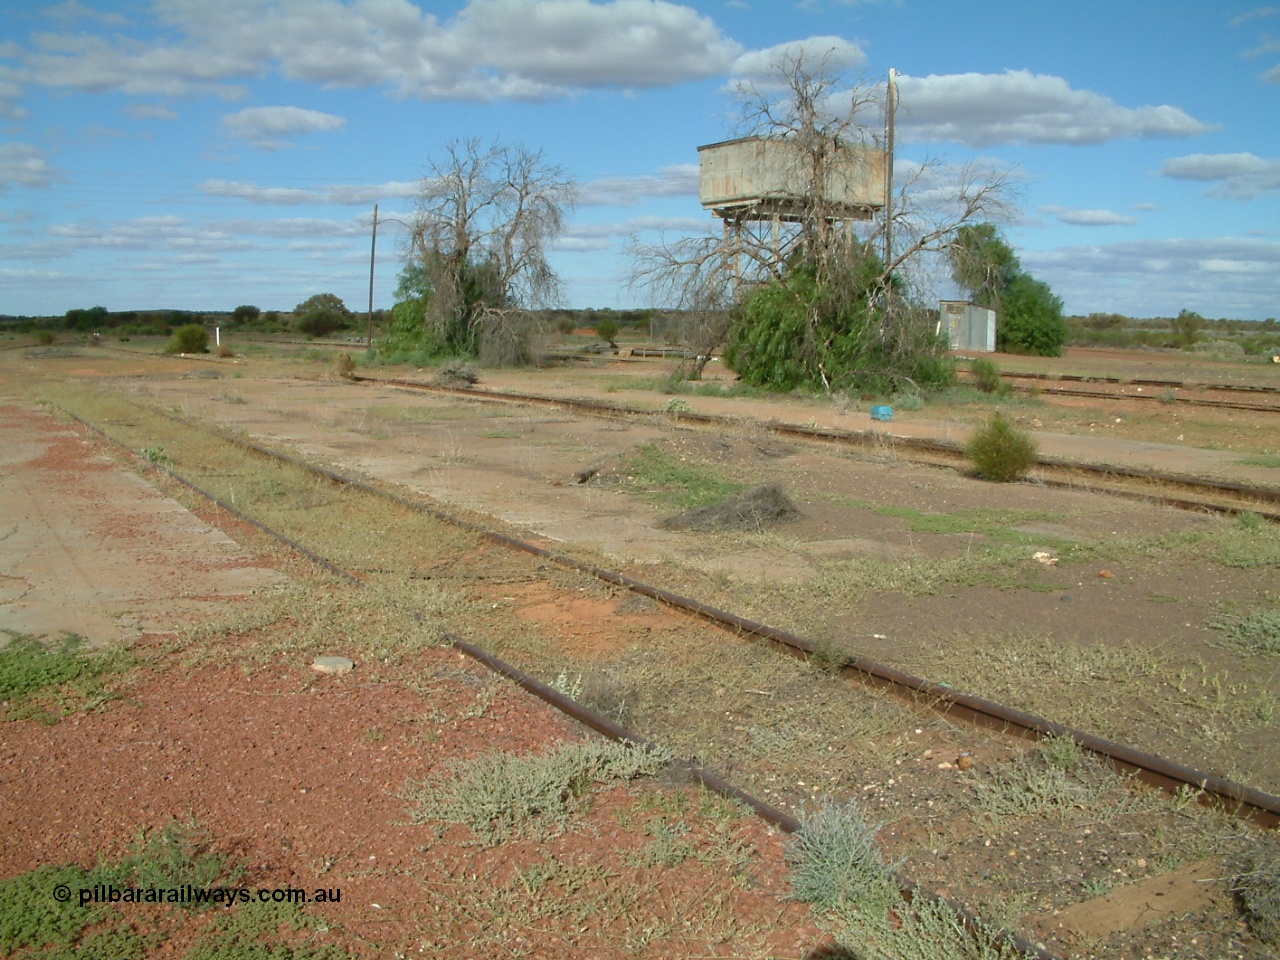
{"points": [[1223, 276], [10, 91], [492, 49], [264, 126], [1272, 75], [1017, 106], [1089, 218], [346, 194], [759, 68], [679, 180], [23, 165], [149, 111], [1241, 176], [1257, 13], [72, 11]]}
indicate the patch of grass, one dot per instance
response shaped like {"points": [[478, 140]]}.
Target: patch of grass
{"points": [[1255, 633], [1055, 780], [923, 929], [179, 854], [252, 932], [30, 915], [1262, 460], [499, 795], [1000, 451], [657, 476], [1247, 543], [32, 671]]}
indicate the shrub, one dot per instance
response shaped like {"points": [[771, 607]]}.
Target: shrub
{"points": [[1000, 451], [607, 330], [834, 859], [189, 338], [986, 375], [46, 338]]}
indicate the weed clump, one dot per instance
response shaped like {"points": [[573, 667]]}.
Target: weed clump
{"points": [[344, 367], [456, 373], [753, 510], [30, 669], [499, 795], [1257, 633], [1258, 889], [986, 377], [1001, 452]]}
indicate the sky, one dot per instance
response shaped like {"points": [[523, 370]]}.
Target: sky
{"points": [[206, 154]]}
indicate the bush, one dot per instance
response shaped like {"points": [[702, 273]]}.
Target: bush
{"points": [[1259, 892], [1030, 319], [986, 375], [607, 330], [46, 338], [1001, 452], [189, 338], [834, 859]]}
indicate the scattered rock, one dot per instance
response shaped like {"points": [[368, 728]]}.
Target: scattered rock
{"points": [[333, 664]]}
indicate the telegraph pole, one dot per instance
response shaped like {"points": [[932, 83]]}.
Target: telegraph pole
{"points": [[889, 106], [373, 248]]}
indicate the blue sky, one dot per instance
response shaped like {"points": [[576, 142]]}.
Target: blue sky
{"points": [[198, 154]]}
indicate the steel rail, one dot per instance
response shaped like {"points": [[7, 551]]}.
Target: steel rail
{"points": [[1190, 401], [595, 720], [1170, 776], [950, 452], [1142, 382]]}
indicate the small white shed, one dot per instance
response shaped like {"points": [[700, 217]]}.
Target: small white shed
{"points": [[968, 326]]}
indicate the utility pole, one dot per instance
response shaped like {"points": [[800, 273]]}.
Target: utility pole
{"points": [[890, 105], [373, 249]]}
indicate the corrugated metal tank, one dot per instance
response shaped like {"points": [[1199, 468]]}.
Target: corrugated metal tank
{"points": [[775, 174]]}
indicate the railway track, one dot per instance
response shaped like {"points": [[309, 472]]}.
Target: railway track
{"points": [[1174, 490], [1167, 775], [1113, 395], [999, 939]]}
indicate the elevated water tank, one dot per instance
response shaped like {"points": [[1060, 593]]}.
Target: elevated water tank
{"points": [[764, 178]]}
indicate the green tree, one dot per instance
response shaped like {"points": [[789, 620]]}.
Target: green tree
{"points": [[85, 320], [982, 263], [1028, 315], [607, 330], [1188, 326], [801, 332], [321, 315], [486, 217], [1030, 320], [245, 314]]}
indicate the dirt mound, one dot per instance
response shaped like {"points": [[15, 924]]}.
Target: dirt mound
{"points": [[754, 510]]}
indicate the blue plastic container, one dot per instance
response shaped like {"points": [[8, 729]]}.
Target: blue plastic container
{"points": [[882, 413]]}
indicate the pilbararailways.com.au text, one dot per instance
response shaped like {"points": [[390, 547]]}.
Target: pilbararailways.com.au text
{"points": [[190, 895]]}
